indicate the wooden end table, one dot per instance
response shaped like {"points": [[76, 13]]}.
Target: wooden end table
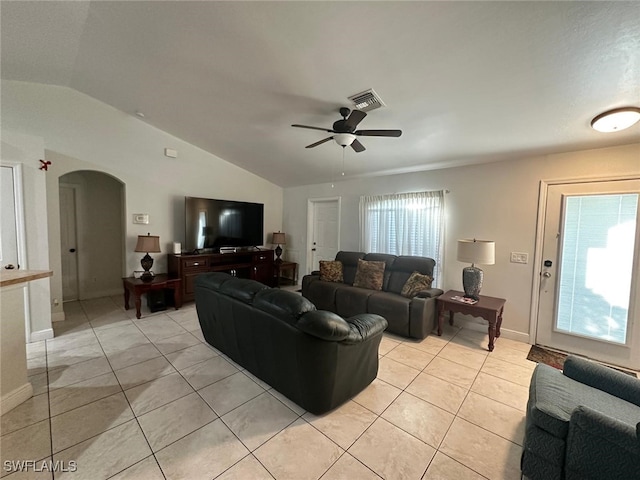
{"points": [[159, 282], [281, 267], [489, 308]]}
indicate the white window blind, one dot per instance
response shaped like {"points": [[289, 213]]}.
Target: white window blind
{"points": [[404, 224], [596, 268]]}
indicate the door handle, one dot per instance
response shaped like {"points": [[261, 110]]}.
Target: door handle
{"points": [[313, 249], [72, 250], [546, 274]]}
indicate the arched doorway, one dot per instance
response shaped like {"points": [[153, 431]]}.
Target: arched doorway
{"points": [[91, 234]]}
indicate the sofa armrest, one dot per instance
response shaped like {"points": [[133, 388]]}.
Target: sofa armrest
{"points": [[333, 328], [364, 326], [431, 293], [603, 378], [605, 428], [599, 446], [324, 325]]}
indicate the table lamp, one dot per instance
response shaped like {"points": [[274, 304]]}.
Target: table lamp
{"points": [[147, 243], [279, 238], [475, 251]]}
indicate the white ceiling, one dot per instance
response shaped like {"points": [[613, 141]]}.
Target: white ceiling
{"points": [[466, 81]]}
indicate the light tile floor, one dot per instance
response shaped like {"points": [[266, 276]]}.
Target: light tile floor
{"points": [[148, 399]]}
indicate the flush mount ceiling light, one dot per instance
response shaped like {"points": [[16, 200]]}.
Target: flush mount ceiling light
{"points": [[616, 120]]}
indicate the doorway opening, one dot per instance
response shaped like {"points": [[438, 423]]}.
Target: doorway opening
{"points": [[91, 234]]}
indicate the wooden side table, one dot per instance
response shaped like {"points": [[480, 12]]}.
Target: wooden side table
{"points": [[282, 267], [159, 282], [489, 308]]}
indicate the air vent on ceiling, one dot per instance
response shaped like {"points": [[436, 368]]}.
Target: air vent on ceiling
{"points": [[367, 100]]}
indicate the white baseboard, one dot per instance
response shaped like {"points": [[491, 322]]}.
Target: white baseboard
{"points": [[12, 399], [45, 334], [473, 324], [514, 335], [58, 317], [103, 293]]}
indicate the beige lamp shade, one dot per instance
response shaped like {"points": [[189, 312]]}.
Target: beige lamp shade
{"points": [[279, 238], [482, 252], [148, 243]]}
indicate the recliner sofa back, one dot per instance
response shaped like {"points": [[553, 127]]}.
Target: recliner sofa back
{"points": [[315, 358], [410, 317]]}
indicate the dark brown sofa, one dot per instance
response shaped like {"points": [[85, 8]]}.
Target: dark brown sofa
{"points": [[410, 317], [315, 358]]}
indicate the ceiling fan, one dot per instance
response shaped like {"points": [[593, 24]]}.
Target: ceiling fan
{"points": [[345, 133]]}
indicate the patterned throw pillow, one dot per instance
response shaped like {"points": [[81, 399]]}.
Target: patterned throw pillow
{"points": [[369, 275], [331, 271], [415, 284]]}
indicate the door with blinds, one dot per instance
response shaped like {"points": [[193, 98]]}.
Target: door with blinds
{"points": [[589, 287]]}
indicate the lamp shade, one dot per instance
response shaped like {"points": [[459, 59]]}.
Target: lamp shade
{"points": [[148, 243], [279, 238], [477, 251]]}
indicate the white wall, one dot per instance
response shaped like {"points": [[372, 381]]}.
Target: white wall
{"points": [[81, 133], [27, 150], [496, 201]]}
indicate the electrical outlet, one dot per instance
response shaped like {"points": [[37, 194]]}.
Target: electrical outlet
{"points": [[519, 257]]}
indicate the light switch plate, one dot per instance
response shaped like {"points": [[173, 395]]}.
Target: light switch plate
{"points": [[141, 218], [519, 257]]}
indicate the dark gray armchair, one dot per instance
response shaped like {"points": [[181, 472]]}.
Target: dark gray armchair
{"points": [[582, 423]]}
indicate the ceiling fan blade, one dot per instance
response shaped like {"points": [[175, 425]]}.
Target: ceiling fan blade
{"points": [[357, 146], [319, 143], [378, 133], [313, 128], [354, 119]]}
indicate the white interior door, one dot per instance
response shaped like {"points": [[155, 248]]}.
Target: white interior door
{"points": [[68, 243], [9, 230], [589, 285], [324, 236], [12, 228]]}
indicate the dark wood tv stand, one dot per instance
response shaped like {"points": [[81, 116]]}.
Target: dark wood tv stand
{"points": [[254, 264]]}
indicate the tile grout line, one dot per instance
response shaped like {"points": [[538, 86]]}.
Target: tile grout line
{"points": [[135, 417], [299, 416]]}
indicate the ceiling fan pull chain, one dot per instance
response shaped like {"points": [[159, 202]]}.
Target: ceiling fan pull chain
{"points": [[333, 175], [343, 149]]}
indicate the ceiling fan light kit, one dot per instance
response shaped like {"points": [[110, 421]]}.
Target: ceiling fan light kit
{"points": [[616, 119], [344, 139], [345, 133]]}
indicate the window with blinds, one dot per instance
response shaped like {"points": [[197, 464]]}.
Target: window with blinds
{"points": [[596, 265], [404, 224]]}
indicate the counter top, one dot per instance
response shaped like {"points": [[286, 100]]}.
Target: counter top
{"points": [[13, 277]]}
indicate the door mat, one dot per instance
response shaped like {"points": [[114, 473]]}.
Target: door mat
{"points": [[556, 359]]}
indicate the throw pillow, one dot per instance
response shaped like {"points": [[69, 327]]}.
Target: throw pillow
{"points": [[369, 275], [415, 284], [331, 271]]}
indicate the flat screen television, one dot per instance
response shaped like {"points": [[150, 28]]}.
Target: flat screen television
{"points": [[214, 224]]}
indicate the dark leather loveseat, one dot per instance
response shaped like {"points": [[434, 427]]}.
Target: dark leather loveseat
{"points": [[315, 358], [410, 317]]}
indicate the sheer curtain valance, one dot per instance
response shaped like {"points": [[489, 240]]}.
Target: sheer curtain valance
{"points": [[404, 224]]}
